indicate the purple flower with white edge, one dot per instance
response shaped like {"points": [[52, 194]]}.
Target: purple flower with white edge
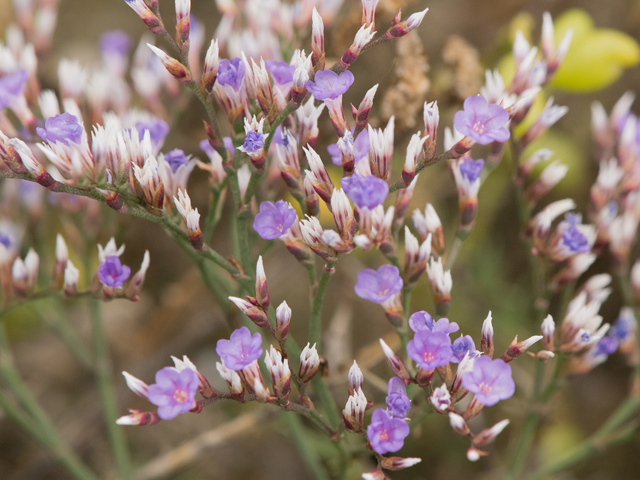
{"points": [[158, 130], [430, 349], [112, 273], [176, 158], [174, 392], [361, 147], [274, 220], [573, 238], [282, 72], [253, 142], [240, 350], [483, 122], [11, 86], [489, 380], [231, 72], [385, 433], [378, 286], [471, 169], [365, 190], [460, 347], [63, 128], [115, 42], [398, 403], [423, 321], [329, 85]]}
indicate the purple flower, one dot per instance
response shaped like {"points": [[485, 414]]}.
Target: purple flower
{"points": [[379, 285], [274, 219], [11, 86], [282, 72], [490, 381], [329, 85], [622, 328], [423, 321], [115, 42], [158, 130], [386, 433], [253, 142], [231, 73], [398, 403], [606, 346], [361, 148], [5, 240], [482, 122], [430, 349], [460, 347], [63, 128], [471, 169], [174, 392], [112, 273], [176, 158], [365, 190], [573, 238], [240, 350]]}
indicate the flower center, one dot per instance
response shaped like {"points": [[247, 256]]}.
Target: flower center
{"points": [[180, 396], [428, 356], [478, 127], [484, 388], [384, 435]]}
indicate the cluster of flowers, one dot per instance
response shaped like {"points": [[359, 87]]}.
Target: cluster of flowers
{"points": [[19, 277], [279, 104]]}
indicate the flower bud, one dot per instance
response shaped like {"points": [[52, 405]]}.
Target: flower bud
{"points": [[396, 364], [309, 363], [354, 410], [138, 418], [136, 282], [279, 372], [262, 293], [71, 277], [173, 66], [458, 424], [486, 342], [62, 255], [211, 63], [355, 378], [283, 319], [518, 348], [252, 379], [399, 463], [136, 385], [255, 314], [234, 382], [548, 329], [489, 435]]}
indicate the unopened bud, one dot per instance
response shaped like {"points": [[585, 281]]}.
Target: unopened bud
{"points": [[518, 348], [458, 424], [262, 293], [489, 435], [136, 385], [309, 363], [548, 330], [283, 319], [399, 463], [138, 418], [486, 342], [396, 364], [355, 378], [255, 314], [173, 66]]}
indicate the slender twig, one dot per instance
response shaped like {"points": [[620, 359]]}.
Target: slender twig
{"points": [[421, 166], [309, 453], [315, 316], [107, 392]]}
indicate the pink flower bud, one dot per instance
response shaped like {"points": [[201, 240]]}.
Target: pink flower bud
{"points": [[309, 363], [396, 364], [283, 319], [136, 385], [355, 378]]}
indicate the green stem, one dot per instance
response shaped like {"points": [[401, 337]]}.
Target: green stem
{"points": [[214, 213], [307, 451], [48, 434], [421, 166], [107, 391], [288, 110], [315, 317]]}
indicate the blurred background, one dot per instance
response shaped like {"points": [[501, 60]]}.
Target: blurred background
{"points": [[176, 315]]}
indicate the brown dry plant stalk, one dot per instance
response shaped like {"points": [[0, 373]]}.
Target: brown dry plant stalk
{"points": [[464, 58]]}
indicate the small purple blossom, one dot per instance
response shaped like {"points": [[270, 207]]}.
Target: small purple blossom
{"points": [[573, 238], [282, 72], [471, 169], [274, 219], [112, 273], [176, 158], [115, 42], [386, 433], [483, 122], [63, 128], [423, 321], [621, 329], [231, 73], [240, 350], [606, 346], [490, 381], [460, 347], [158, 130], [398, 403], [365, 190], [361, 147], [378, 286], [11, 85], [253, 142], [174, 392], [329, 85], [430, 349], [5, 240]]}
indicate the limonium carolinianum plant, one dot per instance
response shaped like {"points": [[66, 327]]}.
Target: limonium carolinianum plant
{"points": [[99, 138]]}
